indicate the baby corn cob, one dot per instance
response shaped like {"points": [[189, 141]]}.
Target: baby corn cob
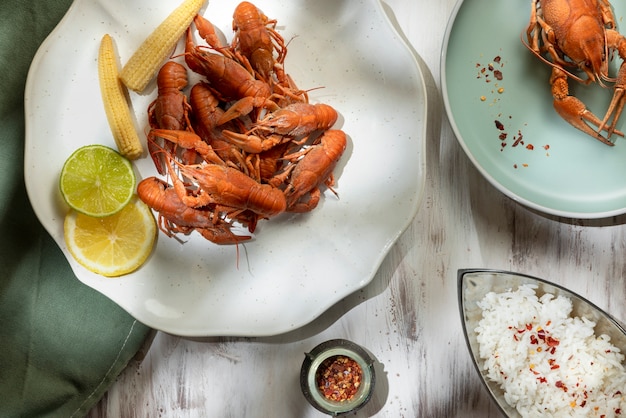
{"points": [[116, 106], [145, 62]]}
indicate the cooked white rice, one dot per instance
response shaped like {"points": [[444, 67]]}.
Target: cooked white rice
{"points": [[548, 363]]}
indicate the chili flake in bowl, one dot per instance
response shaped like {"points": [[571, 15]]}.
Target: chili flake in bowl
{"points": [[337, 377]]}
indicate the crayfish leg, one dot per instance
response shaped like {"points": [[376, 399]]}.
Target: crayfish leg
{"points": [[222, 235], [240, 108], [574, 111], [206, 30], [306, 202]]}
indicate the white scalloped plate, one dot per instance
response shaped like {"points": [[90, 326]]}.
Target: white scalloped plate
{"points": [[298, 265]]}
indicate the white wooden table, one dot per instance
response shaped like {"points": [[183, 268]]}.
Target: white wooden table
{"points": [[408, 316]]}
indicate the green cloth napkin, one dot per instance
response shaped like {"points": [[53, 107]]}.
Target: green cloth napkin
{"points": [[62, 344]]}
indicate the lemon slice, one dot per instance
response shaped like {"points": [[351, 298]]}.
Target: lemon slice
{"points": [[97, 181], [113, 245]]}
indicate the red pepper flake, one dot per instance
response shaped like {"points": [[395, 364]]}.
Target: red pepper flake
{"points": [[542, 379], [552, 342], [497, 59], [499, 125], [553, 365], [530, 147], [497, 74], [533, 340], [559, 384], [339, 378]]}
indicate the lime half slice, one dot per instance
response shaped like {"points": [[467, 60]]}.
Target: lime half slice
{"points": [[97, 181]]}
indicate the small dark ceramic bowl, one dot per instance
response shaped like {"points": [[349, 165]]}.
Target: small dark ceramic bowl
{"points": [[315, 359]]}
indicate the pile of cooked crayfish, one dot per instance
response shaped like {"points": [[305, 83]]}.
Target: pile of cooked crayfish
{"points": [[244, 143]]}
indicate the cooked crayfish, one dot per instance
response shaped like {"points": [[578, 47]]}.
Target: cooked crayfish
{"points": [[314, 168], [217, 183], [294, 121], [245, 144], [579, 35], [231, 189], [176, 217], [256, 39], [207, 113], [170, 109], [298, 119], [229, 80], [185, 140]]}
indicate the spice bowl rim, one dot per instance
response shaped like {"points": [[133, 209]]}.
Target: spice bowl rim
{"points": [[314, 359]]}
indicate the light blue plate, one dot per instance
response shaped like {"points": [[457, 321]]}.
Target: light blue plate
{"points": [[567, 173]]}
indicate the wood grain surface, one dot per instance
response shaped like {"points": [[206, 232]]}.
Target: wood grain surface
{"points": [[407, 317]]}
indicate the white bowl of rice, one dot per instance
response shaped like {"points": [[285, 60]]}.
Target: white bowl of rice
{"points": [[541, 350]]}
